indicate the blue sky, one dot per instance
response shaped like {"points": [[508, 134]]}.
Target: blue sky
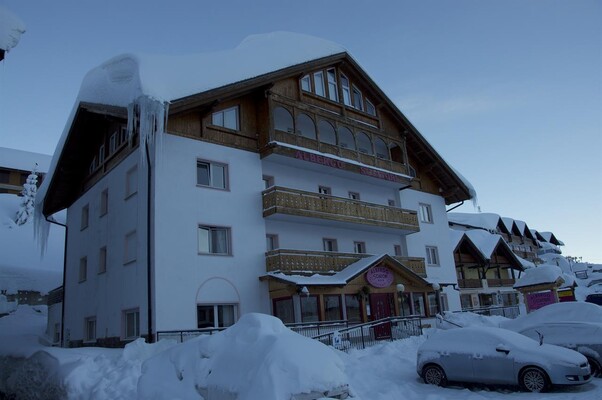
{"points": [[509, 92]]}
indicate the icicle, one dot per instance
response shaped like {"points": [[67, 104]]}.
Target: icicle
{"points": [[147, 117]]}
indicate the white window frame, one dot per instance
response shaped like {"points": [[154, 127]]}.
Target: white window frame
{"points": [[104, 202], [131, 182], [211, 167], [359, 247], [135, 312], [370, 108], [271, 242], [210, 229], [354, 196], [426, 213], [360, 102], [330, 245], [90, 334], [130, 248], [432, 256], [83, 269], [319, 77], [325, 190], [216, 313], [101, 154], [345, 86], [306, 83], [113, 142], [333, 88], [268, 181], [218, 118]]}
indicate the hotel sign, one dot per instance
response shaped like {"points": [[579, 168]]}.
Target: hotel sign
{"points": [[338, 164], [539, 300], [379, 277]]}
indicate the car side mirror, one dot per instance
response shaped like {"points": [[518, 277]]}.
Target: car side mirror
{"points": [[502, 348]]}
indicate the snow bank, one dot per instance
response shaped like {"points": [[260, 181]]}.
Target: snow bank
{"points": [[574, 311], [468, 319], [11, 29], [257, 358]]}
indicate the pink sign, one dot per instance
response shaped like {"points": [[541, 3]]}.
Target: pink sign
{"points": [[379, 277], [539, 300]]}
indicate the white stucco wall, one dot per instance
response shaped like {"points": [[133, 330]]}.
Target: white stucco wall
{"points": [[433, 234], [122, 286], [183, 277]]}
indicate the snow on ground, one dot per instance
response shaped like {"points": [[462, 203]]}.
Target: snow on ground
{"points": [[22, 266], [257, 356]]}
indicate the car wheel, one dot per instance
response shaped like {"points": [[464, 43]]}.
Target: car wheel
{"points": [[434, 375], [595, 367], [533, 379]]}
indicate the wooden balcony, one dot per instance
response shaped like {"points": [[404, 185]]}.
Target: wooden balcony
{"points": [[470, 283], [500, 282], [300, 261], [279, 200]]}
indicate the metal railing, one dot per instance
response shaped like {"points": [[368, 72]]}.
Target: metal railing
{"points": [[311, 329], [504, 311], [182, 336], [371, 333]]}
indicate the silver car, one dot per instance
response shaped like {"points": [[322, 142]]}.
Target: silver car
{"points": [[498, 356], [576, 325]]}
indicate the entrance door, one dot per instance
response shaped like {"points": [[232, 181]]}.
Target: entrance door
{"points": [[380, 305]]}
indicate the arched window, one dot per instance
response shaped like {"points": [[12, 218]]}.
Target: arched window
{"points": [[306, 126], [346, 139], [382, 150], [364, 144], [283, 120], [327, 132]]}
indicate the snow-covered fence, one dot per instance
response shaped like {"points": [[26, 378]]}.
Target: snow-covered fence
{"points": [[183, 336], [508, 311], [311, 329]]}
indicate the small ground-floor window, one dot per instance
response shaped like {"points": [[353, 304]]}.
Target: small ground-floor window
{"points": [[352, 307], [283, 309], [131, 319], [216, 315], [418, 304], [433, 304], [332, 308], [406, 304], [466, 302], [309, 309]]}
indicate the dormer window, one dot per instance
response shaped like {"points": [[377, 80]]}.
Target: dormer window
{"points": [[346, 90], [332, 85], [357, 99], [370, 109], [227, 118], [306, 83], [319, 83]]}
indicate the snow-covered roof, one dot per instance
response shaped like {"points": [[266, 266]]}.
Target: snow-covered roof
{"points": [[11, 29], [124, 78], [551, 238], [486, 242], [543, 274], [480, 220], [508, 223], [471, 190], [24, 160], [525, 263], [455, 237], [521, 225]]}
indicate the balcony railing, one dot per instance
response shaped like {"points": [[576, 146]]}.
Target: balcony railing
{"points": [[280, 200], [325, 261], [492, 282], [470, 283]]}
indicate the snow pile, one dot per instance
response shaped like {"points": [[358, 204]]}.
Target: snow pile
{"points": [[257, 358], [574, 311], [11, 29], [21, 266], [465, 319]]}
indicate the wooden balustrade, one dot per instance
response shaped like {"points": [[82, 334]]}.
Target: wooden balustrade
{"points": [[300, 203], [327, 262], [470, 283]]}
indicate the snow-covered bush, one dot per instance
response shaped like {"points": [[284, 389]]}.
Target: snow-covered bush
{"points": [[30, 188]]}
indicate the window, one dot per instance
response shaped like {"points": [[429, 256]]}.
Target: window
{"points": [[370, 109], [432, 304], [346, 91], [397, 250], [283, 309], [319, 83], [359, 247], [327, 132], [104, 202], [332, 308], [465, 301], [83, 269], [101, 154], [93, 165], [364, 144], [271, 242], [129, 254], [444, 303], [283, 120], [113, 142], [330, 244], [211, 174], [309, 308], [412, 171], [90, 327], [216, 315], [354, 195], [406, 304], [102, 260], [85, 216], [324, 190], [425, 212], [391, 203], [131, 182], [432, 256], [131, 322], [418, 304], [268, 181], [306, 83], [227, 118], [332, 85], [214, 240], [306, 126], [382, 151], [352, 308], [4, 176], [346, 138], [357, 99]]}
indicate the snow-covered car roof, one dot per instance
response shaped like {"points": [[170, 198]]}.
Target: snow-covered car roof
{"points": [[573, 311]]}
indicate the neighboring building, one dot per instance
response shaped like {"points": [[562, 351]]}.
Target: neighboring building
{"points": [[282, 180], [16, 165], [11, 29]]}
